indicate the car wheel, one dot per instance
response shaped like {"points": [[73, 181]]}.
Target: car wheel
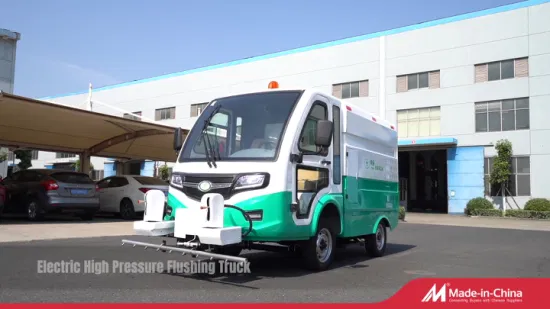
{"points": [[376, 243], [34, 212], [318, 252], [127, 211]]}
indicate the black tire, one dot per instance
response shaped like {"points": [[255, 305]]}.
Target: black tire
{"points": [[228, 250], [87, 216], [34, 210], [127, 211], [376, 243], [325, 238]]}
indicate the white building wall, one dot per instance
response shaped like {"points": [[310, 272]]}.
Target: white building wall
{"points": [[453, 48]]}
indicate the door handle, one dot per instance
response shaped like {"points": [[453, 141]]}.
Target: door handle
{"points": [[325, 162]]}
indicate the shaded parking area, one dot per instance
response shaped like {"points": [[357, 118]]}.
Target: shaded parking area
{"points": [[27, 123], [414, 251], [40, 125]]}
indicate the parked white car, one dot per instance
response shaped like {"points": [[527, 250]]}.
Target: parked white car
{"points": [[124, 195]]}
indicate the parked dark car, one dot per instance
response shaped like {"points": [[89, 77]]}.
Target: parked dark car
{"points": [[37, 192]]}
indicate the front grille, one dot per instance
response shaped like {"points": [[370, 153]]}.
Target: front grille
{"points": [[221, 184]]}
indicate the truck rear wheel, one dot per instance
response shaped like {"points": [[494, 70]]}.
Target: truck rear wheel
{"points": [[318, 252], [376, 243]]}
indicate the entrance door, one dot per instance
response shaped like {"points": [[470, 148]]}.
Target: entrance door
{"points": [[314, 177]]}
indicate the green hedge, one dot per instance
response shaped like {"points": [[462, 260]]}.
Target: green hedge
{"points": [[512, 213], [486, 212], [402, 212], [478, 203], [537, 204], [527, 214]]}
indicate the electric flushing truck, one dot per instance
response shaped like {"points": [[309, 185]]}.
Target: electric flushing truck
{"points": [[292, 170]]}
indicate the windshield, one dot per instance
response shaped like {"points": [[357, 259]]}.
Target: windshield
{"points": [[246, 127]]}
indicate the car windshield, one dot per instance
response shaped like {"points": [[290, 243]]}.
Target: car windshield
{"points": [[241, 127]]}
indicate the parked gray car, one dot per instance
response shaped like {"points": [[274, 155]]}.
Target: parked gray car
{"points": [[37, 192]]}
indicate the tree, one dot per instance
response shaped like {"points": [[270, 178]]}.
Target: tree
{"points": [[25, 158], [76, 165], [164, 172], [502, 168], [3, 156]]}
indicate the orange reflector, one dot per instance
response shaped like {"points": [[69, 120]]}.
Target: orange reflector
{"points": [[273, 85]]}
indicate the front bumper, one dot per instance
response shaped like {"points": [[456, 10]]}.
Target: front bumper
{"points": [[205, 222]]}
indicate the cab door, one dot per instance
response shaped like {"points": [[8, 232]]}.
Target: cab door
{"points": [[313, 176]]}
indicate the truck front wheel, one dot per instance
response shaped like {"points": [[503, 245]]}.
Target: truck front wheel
{"points": [[318, 252]]}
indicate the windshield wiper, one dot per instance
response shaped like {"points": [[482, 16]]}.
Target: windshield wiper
{"points": [[208, 150]]}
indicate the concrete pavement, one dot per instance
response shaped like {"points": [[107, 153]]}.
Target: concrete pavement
{"points": [[486, 222], [61, 228]]}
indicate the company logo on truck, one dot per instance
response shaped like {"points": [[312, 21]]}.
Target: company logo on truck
{"points": [[371, 164], [205, 186]]}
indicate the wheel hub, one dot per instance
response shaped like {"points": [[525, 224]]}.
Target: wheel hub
{"points": [[324, 245]]}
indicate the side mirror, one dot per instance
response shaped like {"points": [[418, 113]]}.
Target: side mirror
{"points": [[324, 130], [178, 139]]}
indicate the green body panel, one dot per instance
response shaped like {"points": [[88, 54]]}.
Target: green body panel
{"points": [[368, 202], [277, 223], [335, 199]]}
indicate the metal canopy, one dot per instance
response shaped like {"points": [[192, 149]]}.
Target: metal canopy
{"points": [[29, 123]]}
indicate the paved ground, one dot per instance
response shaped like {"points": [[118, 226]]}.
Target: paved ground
{"points": [[13, 229], [416, 250]]}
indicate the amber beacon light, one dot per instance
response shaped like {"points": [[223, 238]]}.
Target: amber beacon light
{"points": [[273, 85]]}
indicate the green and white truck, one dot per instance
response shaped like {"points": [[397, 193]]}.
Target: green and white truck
{"points": [[292, 170]]}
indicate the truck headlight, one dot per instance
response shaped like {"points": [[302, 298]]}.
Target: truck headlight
{"points": [[176, 181], [250, 181]]}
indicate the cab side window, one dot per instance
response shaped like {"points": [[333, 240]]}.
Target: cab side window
{"points": [[307, 137]]}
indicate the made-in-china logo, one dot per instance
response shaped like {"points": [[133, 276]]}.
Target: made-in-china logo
{"points": [[446, 293]]}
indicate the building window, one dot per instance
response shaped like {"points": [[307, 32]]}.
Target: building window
{"points": [[64, 155], [520, 178], [351, 89], [133, 116], [504, 69], [165, 113], [418, 81], [11, 156], [419, 122], [196, 109], [504, 115], [34, 155]]}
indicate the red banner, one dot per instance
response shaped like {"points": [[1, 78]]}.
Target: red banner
{"points": [[419, 293]]}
